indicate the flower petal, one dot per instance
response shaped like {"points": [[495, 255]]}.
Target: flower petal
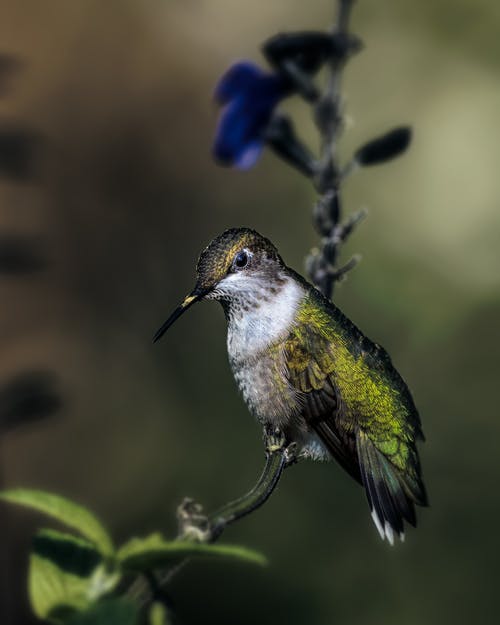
{"points": [[250, 96], [240, 77], [249, 156], [235, 131]]}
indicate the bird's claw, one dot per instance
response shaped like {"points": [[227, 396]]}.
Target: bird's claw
{"points": [[274, 439]]}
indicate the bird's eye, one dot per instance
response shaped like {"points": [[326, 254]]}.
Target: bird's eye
{"points": [[241, 259]]}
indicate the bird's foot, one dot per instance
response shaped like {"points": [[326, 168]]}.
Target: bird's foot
{"points": [[274, 439], [193, 524]]}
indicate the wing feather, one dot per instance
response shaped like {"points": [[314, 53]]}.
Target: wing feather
{"points": [[355, 401]]}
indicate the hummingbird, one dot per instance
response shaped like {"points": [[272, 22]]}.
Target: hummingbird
{"points": [[304, 368]]}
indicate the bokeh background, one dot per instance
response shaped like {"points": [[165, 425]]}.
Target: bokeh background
{"points": [[108, 193]]}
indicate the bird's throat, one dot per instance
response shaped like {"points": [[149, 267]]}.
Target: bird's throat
{"points": [[257, 320]]}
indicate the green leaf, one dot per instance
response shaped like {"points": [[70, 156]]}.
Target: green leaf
{"points": [[108, 612], [66, 574], [53, 591], [64, 511], [158, 614], [70, 553], [145, 554]]}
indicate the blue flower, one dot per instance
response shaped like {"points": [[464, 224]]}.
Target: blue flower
{"points": [[249, 96]]}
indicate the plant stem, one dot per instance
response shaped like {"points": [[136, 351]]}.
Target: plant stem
{"points": [[330, 113], [329, 120], [194, 525], [256, 497]]}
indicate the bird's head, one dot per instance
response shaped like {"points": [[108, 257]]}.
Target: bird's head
{"points": [[239, 267]]}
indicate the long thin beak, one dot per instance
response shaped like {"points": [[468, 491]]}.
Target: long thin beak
{"points": [[189, 300]]}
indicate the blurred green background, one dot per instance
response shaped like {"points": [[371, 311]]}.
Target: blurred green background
{"points": [[123, 197]]}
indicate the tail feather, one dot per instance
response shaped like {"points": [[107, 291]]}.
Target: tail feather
{"points": [[390, 496]]}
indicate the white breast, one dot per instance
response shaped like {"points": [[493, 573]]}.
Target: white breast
{"points": [[265, 320]]}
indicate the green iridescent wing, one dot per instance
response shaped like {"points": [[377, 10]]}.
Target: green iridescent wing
{"points": [[361, 409], [311, 372]]}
